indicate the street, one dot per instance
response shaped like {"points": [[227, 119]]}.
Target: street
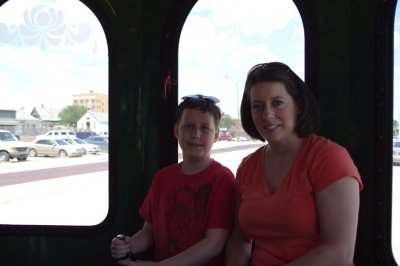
{"points": [[49, 173], [70, 191]]}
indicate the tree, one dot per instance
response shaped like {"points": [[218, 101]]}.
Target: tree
{"points": [[71, 114], [227, 122]]}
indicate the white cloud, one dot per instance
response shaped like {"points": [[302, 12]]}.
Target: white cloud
{"points": [[396, 40], [50, 74], [226, 37]]}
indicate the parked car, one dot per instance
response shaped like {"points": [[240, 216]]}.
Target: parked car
{"points": [[54, 147], [225, 136], [102, 133], [87, 147], [102, 141], [85, 134], [58, 134], [11, 147], [396, 153]]}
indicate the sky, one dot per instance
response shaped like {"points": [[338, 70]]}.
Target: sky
{"points": [[219, 45], [52, 49]]}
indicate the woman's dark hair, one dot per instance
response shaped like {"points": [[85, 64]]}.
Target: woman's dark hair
{"points": [[307, 121]]}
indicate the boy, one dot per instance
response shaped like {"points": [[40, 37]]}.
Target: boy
{"points": [[189, 207]]}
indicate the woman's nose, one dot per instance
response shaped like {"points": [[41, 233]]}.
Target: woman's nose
{"points": [[268, 113]]}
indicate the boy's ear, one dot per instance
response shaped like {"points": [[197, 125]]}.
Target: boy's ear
{"points": [[176, 130], [216, 134]]}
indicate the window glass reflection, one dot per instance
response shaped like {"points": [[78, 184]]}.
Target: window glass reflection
{"points": [[53, 81]]}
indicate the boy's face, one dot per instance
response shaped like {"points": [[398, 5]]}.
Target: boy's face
{"points": [[196, 133]]}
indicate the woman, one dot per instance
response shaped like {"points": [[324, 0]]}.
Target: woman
{"points": [[297, 196]]}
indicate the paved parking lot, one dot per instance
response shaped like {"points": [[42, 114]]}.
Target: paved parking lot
{"points": [[72, 200]]}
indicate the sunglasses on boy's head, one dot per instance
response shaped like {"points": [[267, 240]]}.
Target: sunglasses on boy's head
{"points": [[201, 97], [270, 66]]}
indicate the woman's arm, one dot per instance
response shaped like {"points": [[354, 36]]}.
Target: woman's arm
{"points": [[337, 206], [238, 248]]}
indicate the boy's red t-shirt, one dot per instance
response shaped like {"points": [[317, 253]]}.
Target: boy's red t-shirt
{"points": [[182, 207]]}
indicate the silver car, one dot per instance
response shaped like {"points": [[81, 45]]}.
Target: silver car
{"points": [[87, 147], [102, 141], [396, 153], [54, 147]]}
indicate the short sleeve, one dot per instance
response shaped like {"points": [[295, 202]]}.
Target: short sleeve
{"points": [[145, 210], [330, 163], [222, 203]]}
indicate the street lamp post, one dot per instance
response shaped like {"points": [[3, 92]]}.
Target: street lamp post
{"points": [[237, 96]]}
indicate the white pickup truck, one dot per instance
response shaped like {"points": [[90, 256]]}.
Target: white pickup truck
{"points": [[11, 147]]}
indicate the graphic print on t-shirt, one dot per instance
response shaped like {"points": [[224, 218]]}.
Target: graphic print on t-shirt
{"points": [[184, 219]]}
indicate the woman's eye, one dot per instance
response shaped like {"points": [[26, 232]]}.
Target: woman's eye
{"points": [[257, 107], [277, 103]]}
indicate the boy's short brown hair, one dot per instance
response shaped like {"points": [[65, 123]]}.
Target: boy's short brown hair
{"points": [[205, 104]]}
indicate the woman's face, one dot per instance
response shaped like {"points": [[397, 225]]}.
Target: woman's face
{"points": [[273, 111]]}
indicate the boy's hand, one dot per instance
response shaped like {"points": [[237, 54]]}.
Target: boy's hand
{"points": [[120, 249]]}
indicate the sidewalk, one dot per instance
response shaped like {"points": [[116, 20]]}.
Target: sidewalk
{"points": [[228, 146], [231, 153]]}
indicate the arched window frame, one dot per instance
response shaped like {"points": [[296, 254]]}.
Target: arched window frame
{"points": [[169, 94], [5, 229], [384, 38]]}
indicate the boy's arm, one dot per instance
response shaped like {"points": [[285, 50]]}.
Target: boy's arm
{"points": [[142, 240], [201, 252]]}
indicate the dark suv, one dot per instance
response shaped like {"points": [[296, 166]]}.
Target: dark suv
{"points": [[85, 134]]}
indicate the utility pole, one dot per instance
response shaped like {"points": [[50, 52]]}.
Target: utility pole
{"points": [[237, 96]]}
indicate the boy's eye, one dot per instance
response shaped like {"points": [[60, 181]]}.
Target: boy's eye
{"points": [[187, 126]]}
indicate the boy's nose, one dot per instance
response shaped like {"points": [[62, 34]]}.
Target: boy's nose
{"points": [[195, 133]]}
